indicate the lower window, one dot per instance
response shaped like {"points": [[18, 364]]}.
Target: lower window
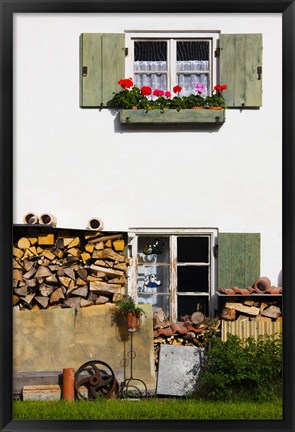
{"points": [[174, 270]]}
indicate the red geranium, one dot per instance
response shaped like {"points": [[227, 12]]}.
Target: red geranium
{"points": [[158, 92], [126, 83], [177, 89], [146, 91], [220, 87], [167, 94]]}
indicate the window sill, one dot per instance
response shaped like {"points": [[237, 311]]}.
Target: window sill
{"points": [[172, 116]]}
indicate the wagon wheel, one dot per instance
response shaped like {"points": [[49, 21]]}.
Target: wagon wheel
{"points": [[98, 378]]}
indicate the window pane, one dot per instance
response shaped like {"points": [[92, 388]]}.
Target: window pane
{"points": [[187, 305], [192, 249], [153, 279], [150, 51], [156, 301], [155, 81], [192, 279], [153, 250], [192, 50]]}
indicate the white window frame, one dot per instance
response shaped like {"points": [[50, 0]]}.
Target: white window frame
{"points": [[172, 37], [173, 233]]}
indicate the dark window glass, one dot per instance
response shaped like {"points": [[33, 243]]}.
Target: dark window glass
{"points": [[192, 279], [150, 51], [192, 249], [187, 305], [189, 50]]}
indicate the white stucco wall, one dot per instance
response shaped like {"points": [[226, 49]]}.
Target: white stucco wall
{"points": [[78, 163]]}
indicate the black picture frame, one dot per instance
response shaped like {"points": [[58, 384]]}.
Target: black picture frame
{"points": [[8, 9]]}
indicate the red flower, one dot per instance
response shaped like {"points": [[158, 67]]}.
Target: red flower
{"points": [[220, 87], [146, 91], [158, 92], [177, 89], [168, 94], [126, 83]]}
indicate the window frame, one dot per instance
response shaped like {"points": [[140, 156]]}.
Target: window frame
{"points": [[173, 234], [172, 37]]}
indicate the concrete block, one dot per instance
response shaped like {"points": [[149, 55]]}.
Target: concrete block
{"points": [[42, 392], [179, 368]]}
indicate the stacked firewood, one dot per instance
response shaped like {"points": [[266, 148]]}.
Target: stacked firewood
{"points": [[67, 269], [251, 310]]}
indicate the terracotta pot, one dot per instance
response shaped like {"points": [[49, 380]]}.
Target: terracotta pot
{"points": [[197, 108], [134, 108], [215, 107], [132, 322], [262, 284]]}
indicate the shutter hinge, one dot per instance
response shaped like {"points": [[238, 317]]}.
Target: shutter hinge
{"points": [[217, 52], [126, 52], [259, 72], [215, 251]]}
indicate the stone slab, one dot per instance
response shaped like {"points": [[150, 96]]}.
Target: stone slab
{"points": [[41, 392], [179, 368]]}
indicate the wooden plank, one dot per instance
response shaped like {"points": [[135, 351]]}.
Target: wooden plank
{"points": [[91, 79], [113, 65], [245, 329], [171, 116], [252, 258]]}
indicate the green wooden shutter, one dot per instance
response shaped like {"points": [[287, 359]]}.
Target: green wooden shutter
{"points": [[102, 64], [238, 259], [240, 60]]}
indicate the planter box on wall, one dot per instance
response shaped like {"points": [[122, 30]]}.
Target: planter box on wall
{"points": [[172, 116]]}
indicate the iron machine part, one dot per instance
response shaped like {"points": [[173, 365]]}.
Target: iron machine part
{"points": [[95, 379]]}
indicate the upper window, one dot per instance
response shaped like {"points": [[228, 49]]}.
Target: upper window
{"points": [[163, 60]]}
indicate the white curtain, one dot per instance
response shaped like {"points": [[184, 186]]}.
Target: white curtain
{"points": [[186, 79]]}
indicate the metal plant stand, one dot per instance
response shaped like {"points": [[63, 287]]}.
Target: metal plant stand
{"points": [[129, 387]]}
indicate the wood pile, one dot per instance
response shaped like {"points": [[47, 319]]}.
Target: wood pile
{"points": [[65, 268], [251, 310]]}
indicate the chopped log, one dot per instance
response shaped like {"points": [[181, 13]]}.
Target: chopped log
{"points": [[263, 306], [59, 244], [54, 267], [67, 241], [85, 302], [70, 273], [92, 235], [51, 279], [92, 296], [89, 248], [108, 244], [243, 318], [228, 314], [121, 266], [82, 273], [99, 276], [85, 256], [28, 264], [15, 299], [33, 249], [46, 290], [198, 318], [28, 298], [43, 301], [43, 272], [33, 240], [272, 312], [65, 281], [80, 282], [16, 264], [32, 283], [30, 273], [249, 302], [28, 254], [102, 300], [36, 307], [118, 245], [60, 272], [249, 310], [23, 243], [59, 253], [118, 280], [18, 253], [22, 291], [117, 297], [72, 286], [74, 243], [104, 287], [82, 291], [73, 302], [70, 260], [75, 252], [104, 263], [48, 254], [159, 318], [56, 296], [107, 271], [17, 274], [106, 238], [98, 246], [46, 239]]}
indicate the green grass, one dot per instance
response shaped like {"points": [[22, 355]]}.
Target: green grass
{"points": [[152, 409]]}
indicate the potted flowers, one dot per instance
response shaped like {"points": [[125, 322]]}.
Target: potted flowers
{"points": [[216, 100], [127, 308]]}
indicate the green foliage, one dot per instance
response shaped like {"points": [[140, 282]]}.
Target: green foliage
{"points": [[146, 409], [248, 369], [127, 98], [127, 304]]}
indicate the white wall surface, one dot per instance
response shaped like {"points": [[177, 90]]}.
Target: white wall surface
{"points": [[79, 163]]}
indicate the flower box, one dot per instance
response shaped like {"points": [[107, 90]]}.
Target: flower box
{"points": [[172, 116]]}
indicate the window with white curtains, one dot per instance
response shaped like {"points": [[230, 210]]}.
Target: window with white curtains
{"points": [[164, 61]]}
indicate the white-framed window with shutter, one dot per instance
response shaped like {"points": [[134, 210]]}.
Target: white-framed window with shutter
{"points": [[164, 60]]}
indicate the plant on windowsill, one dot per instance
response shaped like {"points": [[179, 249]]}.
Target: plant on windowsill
{"points": [[216, 100], [127, 309]]}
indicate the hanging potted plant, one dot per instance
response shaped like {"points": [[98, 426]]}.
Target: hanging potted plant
{"points": [[127, 308]]}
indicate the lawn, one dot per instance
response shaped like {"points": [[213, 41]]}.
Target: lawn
{"points": [[151, 409]]}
